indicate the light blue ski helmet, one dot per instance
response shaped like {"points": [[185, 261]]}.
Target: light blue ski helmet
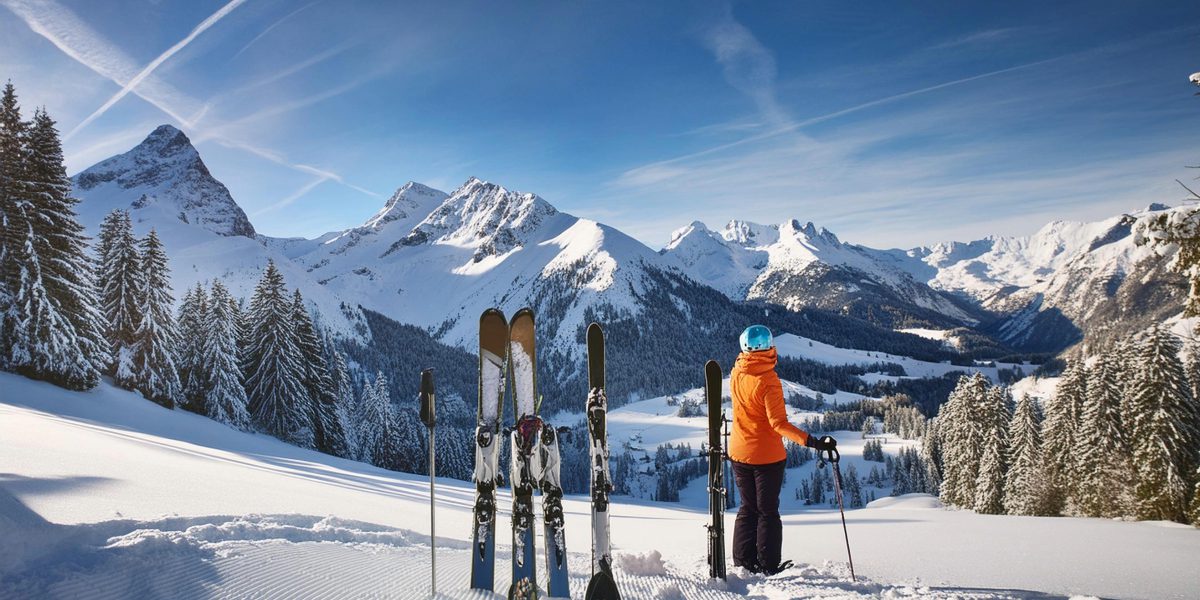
{"points": [[755, 338]]}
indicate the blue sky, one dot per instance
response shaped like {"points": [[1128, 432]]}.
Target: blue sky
{"points": [[892, 124]]}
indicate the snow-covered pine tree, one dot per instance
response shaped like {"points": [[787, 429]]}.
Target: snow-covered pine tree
{"points": [[961, 437], [121, 283], [1024, 484], [1101, 455], [378, 428], [854, 496], [1060, 430], [931, 454], [329, 432], [347, 406], [993, 421], [1192, 366], [105, 239], [366, 433], [66, 265], [949, 438], [12, 229], [154, 353], [274, 367], [51, 323], [225, 397], [410, 443], [1159, 424], [194, 327]]}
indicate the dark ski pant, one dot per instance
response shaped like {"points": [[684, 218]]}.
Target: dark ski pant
{"points": [[758, 531]]}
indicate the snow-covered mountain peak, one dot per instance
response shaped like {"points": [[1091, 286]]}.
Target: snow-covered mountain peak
{"points": [[748, 235], [163, 173], [407, 201], [680, 235], [167, 141], [482, 215], [808, 232]]}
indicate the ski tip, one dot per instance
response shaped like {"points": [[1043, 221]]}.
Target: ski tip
{"points": [[523, 312], [490, 313], [595, 332], [602, 587], [711, 367]]}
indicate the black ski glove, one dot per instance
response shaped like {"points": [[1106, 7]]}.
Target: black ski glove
{"points": [[821, 444]]}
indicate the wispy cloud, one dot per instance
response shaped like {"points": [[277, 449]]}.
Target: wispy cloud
{"points": [[272, 27], [747, 65], [987, 36], [286, 107], [298, 67], [154, 64], [282, 160], [659, 170], [294, 196], [75, 38]]}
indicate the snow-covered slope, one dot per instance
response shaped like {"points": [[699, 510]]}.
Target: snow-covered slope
{"points": [[105, 495], [798, 265], [166, 187], [798, 347]]}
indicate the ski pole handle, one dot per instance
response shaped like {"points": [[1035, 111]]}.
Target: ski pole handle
{"points": [[428, 413]]}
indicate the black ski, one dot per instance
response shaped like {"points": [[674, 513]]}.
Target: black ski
{"points": [[716, 470], [602, 585], [526, 453], [493, 360]]}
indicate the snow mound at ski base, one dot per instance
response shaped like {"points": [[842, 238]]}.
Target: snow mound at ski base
{"points": [[907, 502]]}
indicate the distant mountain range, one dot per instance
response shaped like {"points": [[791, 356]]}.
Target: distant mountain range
{"points": [[436, 260]]}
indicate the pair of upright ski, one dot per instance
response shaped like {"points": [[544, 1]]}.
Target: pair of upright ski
{"points": [[508, 348]]}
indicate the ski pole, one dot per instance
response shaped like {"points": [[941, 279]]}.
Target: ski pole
{"points": [[834, 457], [429, 417]]}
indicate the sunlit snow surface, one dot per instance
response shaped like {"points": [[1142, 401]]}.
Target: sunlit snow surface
{"points": [[106, 495], [801, 347]]}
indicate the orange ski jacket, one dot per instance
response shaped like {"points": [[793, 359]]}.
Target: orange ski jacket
{"points": [[759, 414]]}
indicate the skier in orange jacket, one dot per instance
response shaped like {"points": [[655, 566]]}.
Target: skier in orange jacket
{"points": [[756, 450]]}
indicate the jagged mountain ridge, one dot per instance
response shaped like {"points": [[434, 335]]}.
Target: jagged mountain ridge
{"points": [[443, 258], [800, 266], [1036, 293]]}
